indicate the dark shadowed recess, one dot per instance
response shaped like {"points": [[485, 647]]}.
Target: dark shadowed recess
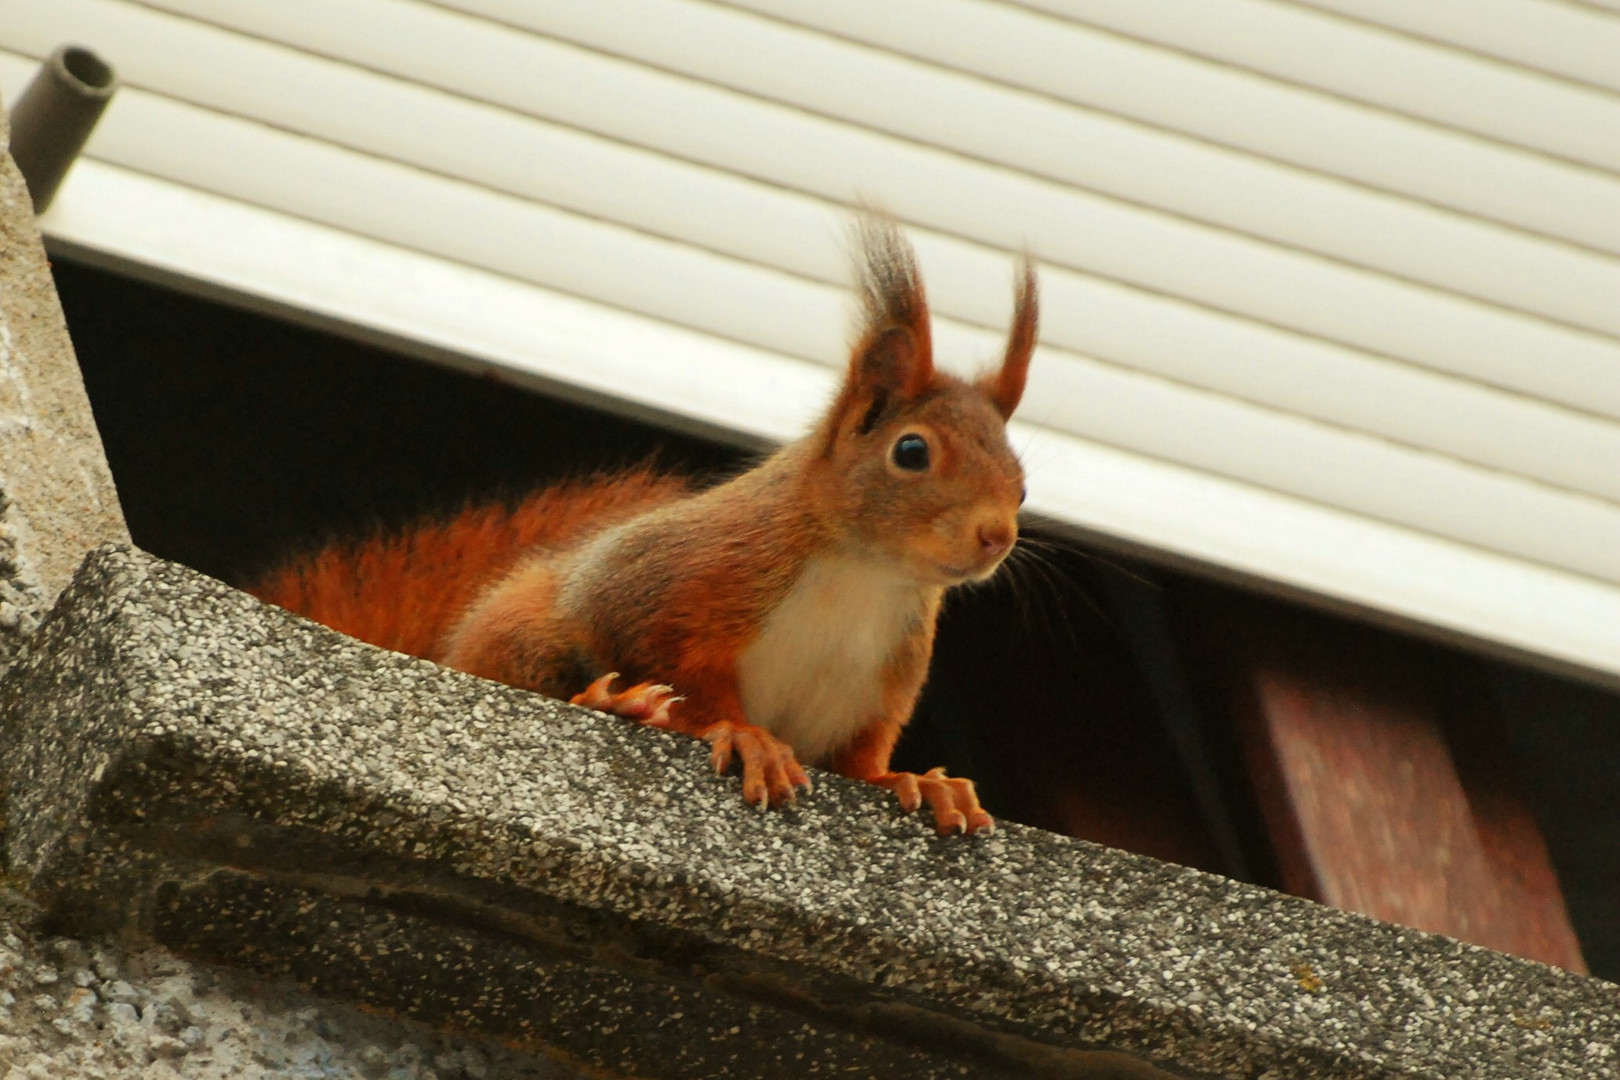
{"points": [[1085, 692]]}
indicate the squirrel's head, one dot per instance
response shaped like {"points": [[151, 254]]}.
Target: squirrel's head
{"points": [[920, 468]]}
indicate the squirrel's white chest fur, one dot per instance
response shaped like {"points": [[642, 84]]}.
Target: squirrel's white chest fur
{"points": [[813, 676]]}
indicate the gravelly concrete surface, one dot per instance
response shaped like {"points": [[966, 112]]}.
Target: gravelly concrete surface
{"points": [[73, 1008]]}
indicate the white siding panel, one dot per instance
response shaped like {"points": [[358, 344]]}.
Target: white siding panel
{"points": [[1096, 152], [1367, 64], [1289, 328], [469, 223], [1553, 36], [448, 311], [1329, 553], [1231, 107], [1065, 225]]}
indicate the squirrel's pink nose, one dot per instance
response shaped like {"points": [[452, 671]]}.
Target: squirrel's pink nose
{"points": [[995, 540]]}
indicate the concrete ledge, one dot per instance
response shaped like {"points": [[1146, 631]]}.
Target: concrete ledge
{"points": [[242, 785]]}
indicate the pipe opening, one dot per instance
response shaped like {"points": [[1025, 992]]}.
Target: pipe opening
{"points": [[87, 71]]}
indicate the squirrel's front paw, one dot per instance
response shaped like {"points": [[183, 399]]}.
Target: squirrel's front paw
{"points": [[645, 703], [770, 771], [953, 798]]}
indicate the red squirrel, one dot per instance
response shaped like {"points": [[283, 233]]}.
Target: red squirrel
{"points": [[785, 616]]}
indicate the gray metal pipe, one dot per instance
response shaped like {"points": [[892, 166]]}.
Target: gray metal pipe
{"points": [[54, 115]]}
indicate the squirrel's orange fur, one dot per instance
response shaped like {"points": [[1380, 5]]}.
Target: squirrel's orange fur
{"points": [[792, 608], [404, 590]]}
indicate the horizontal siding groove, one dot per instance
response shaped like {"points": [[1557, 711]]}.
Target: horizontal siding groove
{"points": [[782, 146], [1557, 38], [1488, 98], [1230, 107], [1078, 147]]}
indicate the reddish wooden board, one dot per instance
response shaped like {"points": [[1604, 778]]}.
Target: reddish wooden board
{"points": [[1388, 790]]}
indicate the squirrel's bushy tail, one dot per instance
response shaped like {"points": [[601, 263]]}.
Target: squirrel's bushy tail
{"points": [[404, 590]]}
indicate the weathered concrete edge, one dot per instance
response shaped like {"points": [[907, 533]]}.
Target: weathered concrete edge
{"points": [[57, 499], [594, 990], [1026, 930]]}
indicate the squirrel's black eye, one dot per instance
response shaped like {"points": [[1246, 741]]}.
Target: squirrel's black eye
{"points": [[1023, 493], [911, 453]]}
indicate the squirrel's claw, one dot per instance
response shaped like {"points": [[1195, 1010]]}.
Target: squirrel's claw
{"points": [[645, 703], [953, 798], [598, 695], [661, 717], [771, 774]]}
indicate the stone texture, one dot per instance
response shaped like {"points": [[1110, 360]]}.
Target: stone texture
{"points": [[56, 493], [242, 785], [100, 1011]]}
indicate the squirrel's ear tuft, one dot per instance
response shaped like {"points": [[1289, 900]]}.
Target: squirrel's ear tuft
{"points": [[1005, 385], [893, 359], [893, 350]]}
